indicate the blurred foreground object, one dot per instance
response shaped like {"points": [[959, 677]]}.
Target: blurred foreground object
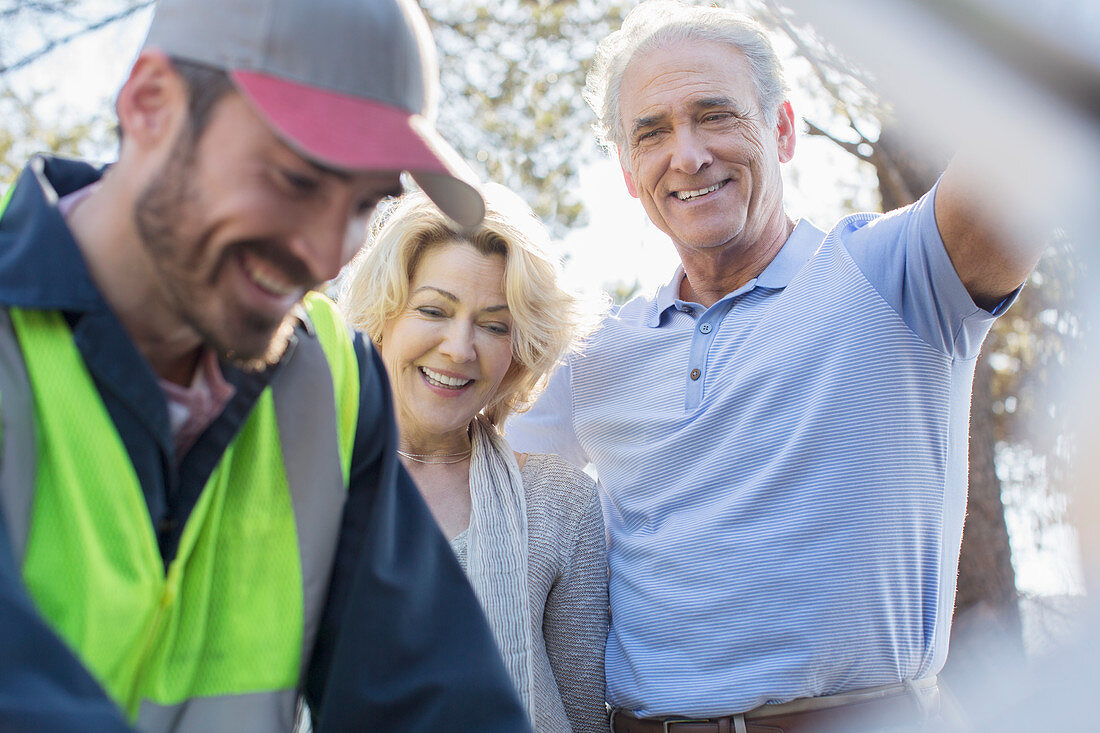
{"points": [[970, 74], [1018, 88]]}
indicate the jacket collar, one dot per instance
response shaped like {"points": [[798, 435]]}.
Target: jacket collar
{"points": [[41, 265]]}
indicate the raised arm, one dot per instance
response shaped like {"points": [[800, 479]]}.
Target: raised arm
{"points": [[991, 257]]}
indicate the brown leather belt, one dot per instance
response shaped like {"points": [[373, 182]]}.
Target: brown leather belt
{"points": [[901, 706]]}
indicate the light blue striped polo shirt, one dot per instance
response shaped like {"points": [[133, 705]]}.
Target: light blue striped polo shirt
{"points": [[783, 474]]}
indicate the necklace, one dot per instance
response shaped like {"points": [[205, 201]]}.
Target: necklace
{"points": [[425, 457]]}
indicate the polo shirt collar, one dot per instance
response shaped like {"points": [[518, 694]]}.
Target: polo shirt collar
{"points": [[796, 251]]}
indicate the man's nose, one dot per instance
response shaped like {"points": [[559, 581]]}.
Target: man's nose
{"points": [[689, 151], [324, 244]]}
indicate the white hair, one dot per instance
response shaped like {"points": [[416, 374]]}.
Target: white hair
{"points": [[659, 22]]}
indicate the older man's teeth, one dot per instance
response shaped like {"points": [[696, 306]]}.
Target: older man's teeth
{"points": [[268, 277], [442, 380], [689, 195]]}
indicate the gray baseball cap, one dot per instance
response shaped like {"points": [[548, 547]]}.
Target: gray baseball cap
{"points": [[348, 83]]}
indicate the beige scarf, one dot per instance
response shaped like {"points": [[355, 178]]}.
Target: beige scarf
{"points": [[496, 554]]}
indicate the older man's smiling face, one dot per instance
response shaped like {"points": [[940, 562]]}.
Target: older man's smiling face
{"points": [[698, 153]]}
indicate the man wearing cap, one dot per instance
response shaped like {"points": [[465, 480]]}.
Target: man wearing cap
{"points": [[201, 514], [780, 430]]}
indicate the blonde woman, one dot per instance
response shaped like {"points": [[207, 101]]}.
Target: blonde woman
{"points": [[469, 324]]}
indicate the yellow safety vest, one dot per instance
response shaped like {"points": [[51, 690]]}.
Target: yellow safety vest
{"points": [[221, 639]]}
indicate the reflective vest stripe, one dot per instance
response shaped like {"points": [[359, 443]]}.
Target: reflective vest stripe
{"points": [[17, 446], [326, 323], [258, 712], [315, 469]]}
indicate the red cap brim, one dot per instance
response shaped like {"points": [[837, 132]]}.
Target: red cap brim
{"points": [[354, 133]]}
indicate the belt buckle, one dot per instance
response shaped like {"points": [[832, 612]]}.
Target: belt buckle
{"points": [[672, 721]]}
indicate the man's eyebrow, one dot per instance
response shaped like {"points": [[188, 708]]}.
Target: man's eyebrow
{"points": [[708, 102], [345, 177], [328, 170], [642, 123], [705, 103]]}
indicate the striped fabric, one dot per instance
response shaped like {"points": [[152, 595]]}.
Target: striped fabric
{"points": [[783, 474], [496, 542]]}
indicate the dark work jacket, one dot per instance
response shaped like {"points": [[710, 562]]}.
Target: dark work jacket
{"points": [[402, 645]]}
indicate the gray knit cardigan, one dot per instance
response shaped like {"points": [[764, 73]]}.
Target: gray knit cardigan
{"points": [[567, 582]]}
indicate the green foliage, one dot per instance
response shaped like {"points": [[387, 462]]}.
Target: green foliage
{"points": [[512, 74], [622, 291], [27, 131], [35, 119], [1032, 348]]}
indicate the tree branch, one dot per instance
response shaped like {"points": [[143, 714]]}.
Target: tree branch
{"points": [[852, 148], [58, 42], [818, 64]]}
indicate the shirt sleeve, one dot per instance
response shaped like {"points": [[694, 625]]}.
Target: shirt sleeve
{"points": [[43, 686], [403, 644], [904, 258], [548, 426]]}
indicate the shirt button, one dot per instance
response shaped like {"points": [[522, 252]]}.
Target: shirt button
{"points": [[695, 373], [705, 328]]}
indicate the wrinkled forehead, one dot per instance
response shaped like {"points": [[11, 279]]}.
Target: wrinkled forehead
{"points": [[681, 74]]}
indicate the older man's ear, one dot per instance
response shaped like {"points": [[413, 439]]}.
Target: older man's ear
{"points": [[629, 179], [785, 130]]}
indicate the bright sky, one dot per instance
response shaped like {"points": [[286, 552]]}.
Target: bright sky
{"points": [[618, 245]]}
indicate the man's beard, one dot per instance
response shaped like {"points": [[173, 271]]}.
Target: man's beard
{"points": [[161, 214], [280, 340]]}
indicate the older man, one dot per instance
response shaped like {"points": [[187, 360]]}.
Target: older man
{"points": [[780, 431], [201, 509]]}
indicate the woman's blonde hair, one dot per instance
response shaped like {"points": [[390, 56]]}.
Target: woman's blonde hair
{"points": [[547, 320]]}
